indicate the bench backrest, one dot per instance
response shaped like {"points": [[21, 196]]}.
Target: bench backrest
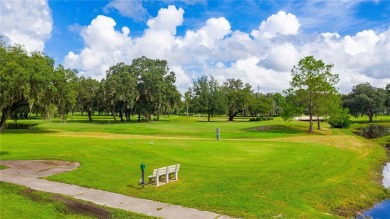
{"points": [[163, 170]]}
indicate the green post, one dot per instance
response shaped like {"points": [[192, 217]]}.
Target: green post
{"points": [[142, 174]]}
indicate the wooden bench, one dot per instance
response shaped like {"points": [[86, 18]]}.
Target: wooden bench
{"points": [[165, 172]]}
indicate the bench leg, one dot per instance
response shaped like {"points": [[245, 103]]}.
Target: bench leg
{"points": [[167, 175], [176, 172], [157, 178], [176, 175]]}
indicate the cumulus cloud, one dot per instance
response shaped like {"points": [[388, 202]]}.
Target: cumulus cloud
{"points": [[262, 58], [281, 58], [167, 19], [357, 59], [104, 47], [281, 23], [132, 9], [188, 2], [26, 22]]}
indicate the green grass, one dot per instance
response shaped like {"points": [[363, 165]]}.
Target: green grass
{"points": [[21, 202], [258, 169]]}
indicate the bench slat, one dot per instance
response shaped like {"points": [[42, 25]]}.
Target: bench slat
{"points": [[165, 171]]}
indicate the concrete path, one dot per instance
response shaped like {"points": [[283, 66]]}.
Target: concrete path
{"points": [[27, 173]]}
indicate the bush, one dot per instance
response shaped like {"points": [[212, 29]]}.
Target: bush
{"points": [[260, 119], [340, 119]]}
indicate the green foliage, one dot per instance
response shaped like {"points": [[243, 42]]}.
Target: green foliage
{"points": [[208, 96], [65, 97], [292, 107], [387, 102], [86, 96], [278, 102], [260, 119], [237, 96], [340, 118], [26, 80], [156, 89], [313, 84], [261, 105], [120, 90], [366, 100]]}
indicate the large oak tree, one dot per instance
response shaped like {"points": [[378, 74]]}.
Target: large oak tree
{"points": [[365, 100], [25, 80]]}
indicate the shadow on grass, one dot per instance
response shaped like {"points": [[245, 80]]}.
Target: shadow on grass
{"points": [[208, 121], [19, 125], [107, 122], [27, 131], [280, 129], [375, 121], [4, 153]]}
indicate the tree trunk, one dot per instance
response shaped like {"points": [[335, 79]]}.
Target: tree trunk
{"points": [[121, 115], [187, 111], [3, 119], [370, 116], [127, 114], [311, 123], [139, 117], [208, 117], [318, 123], [231, 117], [311, 116], [113, 115], [90, 115]]}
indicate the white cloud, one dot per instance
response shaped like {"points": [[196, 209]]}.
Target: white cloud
{"points": [[281, 23], [363, 42], [357, 59], [104, 47], [26, 22], [167, 20], [132, 9], [281, 57], [188, 2], [183, 81], [214, 30], [264, 57]]}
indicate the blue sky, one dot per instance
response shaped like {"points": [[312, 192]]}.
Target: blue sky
{"points": [[257, 41]]}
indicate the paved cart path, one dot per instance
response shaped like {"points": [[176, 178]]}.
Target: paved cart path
{"points": [[28, 173]]}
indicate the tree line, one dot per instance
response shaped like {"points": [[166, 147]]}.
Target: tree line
{"points": [[29, 83]]}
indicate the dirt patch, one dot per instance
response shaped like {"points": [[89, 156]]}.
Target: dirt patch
{"points": [[37, 168], [51, 163], [89, 209], [70, 205]]}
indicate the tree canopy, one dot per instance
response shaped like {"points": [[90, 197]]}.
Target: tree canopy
{"points": [[312, 83], [238, 96], [207, 96], [366, 100], [25, 80], [29, 80]]}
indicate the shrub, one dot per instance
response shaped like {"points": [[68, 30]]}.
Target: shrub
{"points": [[260, 119], [340, 119]]}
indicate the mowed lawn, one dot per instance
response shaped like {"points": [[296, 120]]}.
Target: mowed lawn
{"points": [[257, 169]]}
